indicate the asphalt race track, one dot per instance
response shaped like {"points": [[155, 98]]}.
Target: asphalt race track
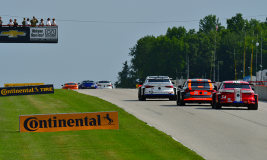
{"points": [[228, 133]]}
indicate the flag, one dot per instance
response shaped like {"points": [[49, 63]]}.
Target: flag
{"points": [[216, 27]]}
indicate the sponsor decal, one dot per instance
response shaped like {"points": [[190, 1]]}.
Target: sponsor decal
{"points": [[68, 122], [159, 88], [22, 84], [223, 97], [229, 100], [47, 33], [27, 90], [196, 93], [13, 33]]}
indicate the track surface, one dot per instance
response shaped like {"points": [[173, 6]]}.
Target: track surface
{"points": [[228, 133]]}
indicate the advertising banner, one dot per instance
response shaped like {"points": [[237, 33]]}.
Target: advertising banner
{"points": [[69, 122], [14, 34], [44, 34], [22, 84], [27, 90], [20, 34]]}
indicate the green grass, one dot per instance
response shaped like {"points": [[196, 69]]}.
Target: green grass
{"points": [[134, 140]]}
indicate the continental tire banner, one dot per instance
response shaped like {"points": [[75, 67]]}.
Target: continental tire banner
{"points": [[27, 90], [69, 122], [22, 84]]}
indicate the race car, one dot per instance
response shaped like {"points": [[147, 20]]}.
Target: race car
{"points": [[87, 84], [70, 85], [195, 91], [235, 93], [104, 84], [157, 87]]}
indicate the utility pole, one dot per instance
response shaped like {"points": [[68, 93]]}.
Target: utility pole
{"points": [[257, 44], [244, 63], [261, 57], [235, 65], [214, 54], [251, 63]]}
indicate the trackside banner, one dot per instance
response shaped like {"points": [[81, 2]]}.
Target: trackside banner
{"points": [[69, 122], [22, 84], [27, 90]]}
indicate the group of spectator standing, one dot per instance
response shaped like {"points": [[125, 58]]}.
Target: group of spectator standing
{"points": [[30, 23]]}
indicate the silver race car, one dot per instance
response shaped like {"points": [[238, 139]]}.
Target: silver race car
{"points": [[157, 87]]}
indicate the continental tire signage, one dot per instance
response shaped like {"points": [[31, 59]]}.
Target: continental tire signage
{"points": [[68, 122], [22, 84], [26, 90], [19, 34]]}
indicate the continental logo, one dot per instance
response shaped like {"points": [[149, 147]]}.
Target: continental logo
{"points": [[68, 122], [13, 33], [22, 84], [26, 90]]}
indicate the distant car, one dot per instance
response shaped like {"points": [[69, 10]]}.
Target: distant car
{"points": [[157, 87], [87, 84], [235, 93], [195, 91], [70, 85], [104, 84]]}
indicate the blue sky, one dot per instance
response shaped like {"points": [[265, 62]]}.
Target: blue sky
{"points": [[96, 50]]}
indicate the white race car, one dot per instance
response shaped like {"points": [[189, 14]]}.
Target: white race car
{"points": [[104, 84], [157, 87]]}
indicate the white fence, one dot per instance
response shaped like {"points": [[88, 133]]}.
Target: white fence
{"points": [[262, 92]]}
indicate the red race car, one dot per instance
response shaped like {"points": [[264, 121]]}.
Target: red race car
{"points": [[196, 91], [235, 93]]}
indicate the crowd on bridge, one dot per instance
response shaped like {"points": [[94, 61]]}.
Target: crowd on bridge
{"points": [[30, 23]]}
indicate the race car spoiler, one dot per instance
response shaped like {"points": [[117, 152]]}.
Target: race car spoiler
{"points": [[159, 78], [202, 82]]}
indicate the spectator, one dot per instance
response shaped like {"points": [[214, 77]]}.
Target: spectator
{"points": [[10, 23], [1, 22], [27, 23], [41, 23], [23, 22], [54, 22], [15, 23], [48, 23], [34, 21]]}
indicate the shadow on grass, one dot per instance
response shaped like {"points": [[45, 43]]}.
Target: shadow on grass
{"points": [[9, 131]]}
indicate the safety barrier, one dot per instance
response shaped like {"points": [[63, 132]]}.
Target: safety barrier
{"points": [[261, 91]]}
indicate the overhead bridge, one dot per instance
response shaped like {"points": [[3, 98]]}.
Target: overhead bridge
{"points": [[22, 34]]}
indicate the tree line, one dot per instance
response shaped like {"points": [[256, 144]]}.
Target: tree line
{"points": [[176, 51]]}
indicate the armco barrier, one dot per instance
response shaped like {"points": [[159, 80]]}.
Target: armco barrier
{"points": [[261, 91]]}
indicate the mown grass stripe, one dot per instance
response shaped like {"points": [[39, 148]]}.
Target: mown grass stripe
{"points": [[134, 140]]}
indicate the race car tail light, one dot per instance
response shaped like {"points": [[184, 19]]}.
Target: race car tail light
{"points": [[169, 86], [149, 86], [98, 85], [109, 85], [250, 94]]}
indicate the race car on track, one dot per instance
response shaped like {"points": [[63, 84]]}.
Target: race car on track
{"points": [[70, 85], [235, 93], [87, 84], [104, 84], [157, 87], [195, 91]]}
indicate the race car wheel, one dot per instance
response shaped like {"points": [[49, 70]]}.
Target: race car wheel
{"points": [[139, 94], [218, 105], [181, 101], [178, 99], [143, 98], [213, 104]]}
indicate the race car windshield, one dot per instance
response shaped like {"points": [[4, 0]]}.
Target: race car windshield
{"points": [[237, 86], [103, 81], [196, 84], [158, 80], [88, 81], [71, 84]]}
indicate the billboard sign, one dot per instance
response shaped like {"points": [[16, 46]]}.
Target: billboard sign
{"points": [[27, 90], [68, 121], [44, 34]]}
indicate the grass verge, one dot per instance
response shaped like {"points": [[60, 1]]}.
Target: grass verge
{"points": [[134, 140]]}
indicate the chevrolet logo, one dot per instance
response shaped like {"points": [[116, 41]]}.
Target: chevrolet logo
{"points": [[12, 33]]}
